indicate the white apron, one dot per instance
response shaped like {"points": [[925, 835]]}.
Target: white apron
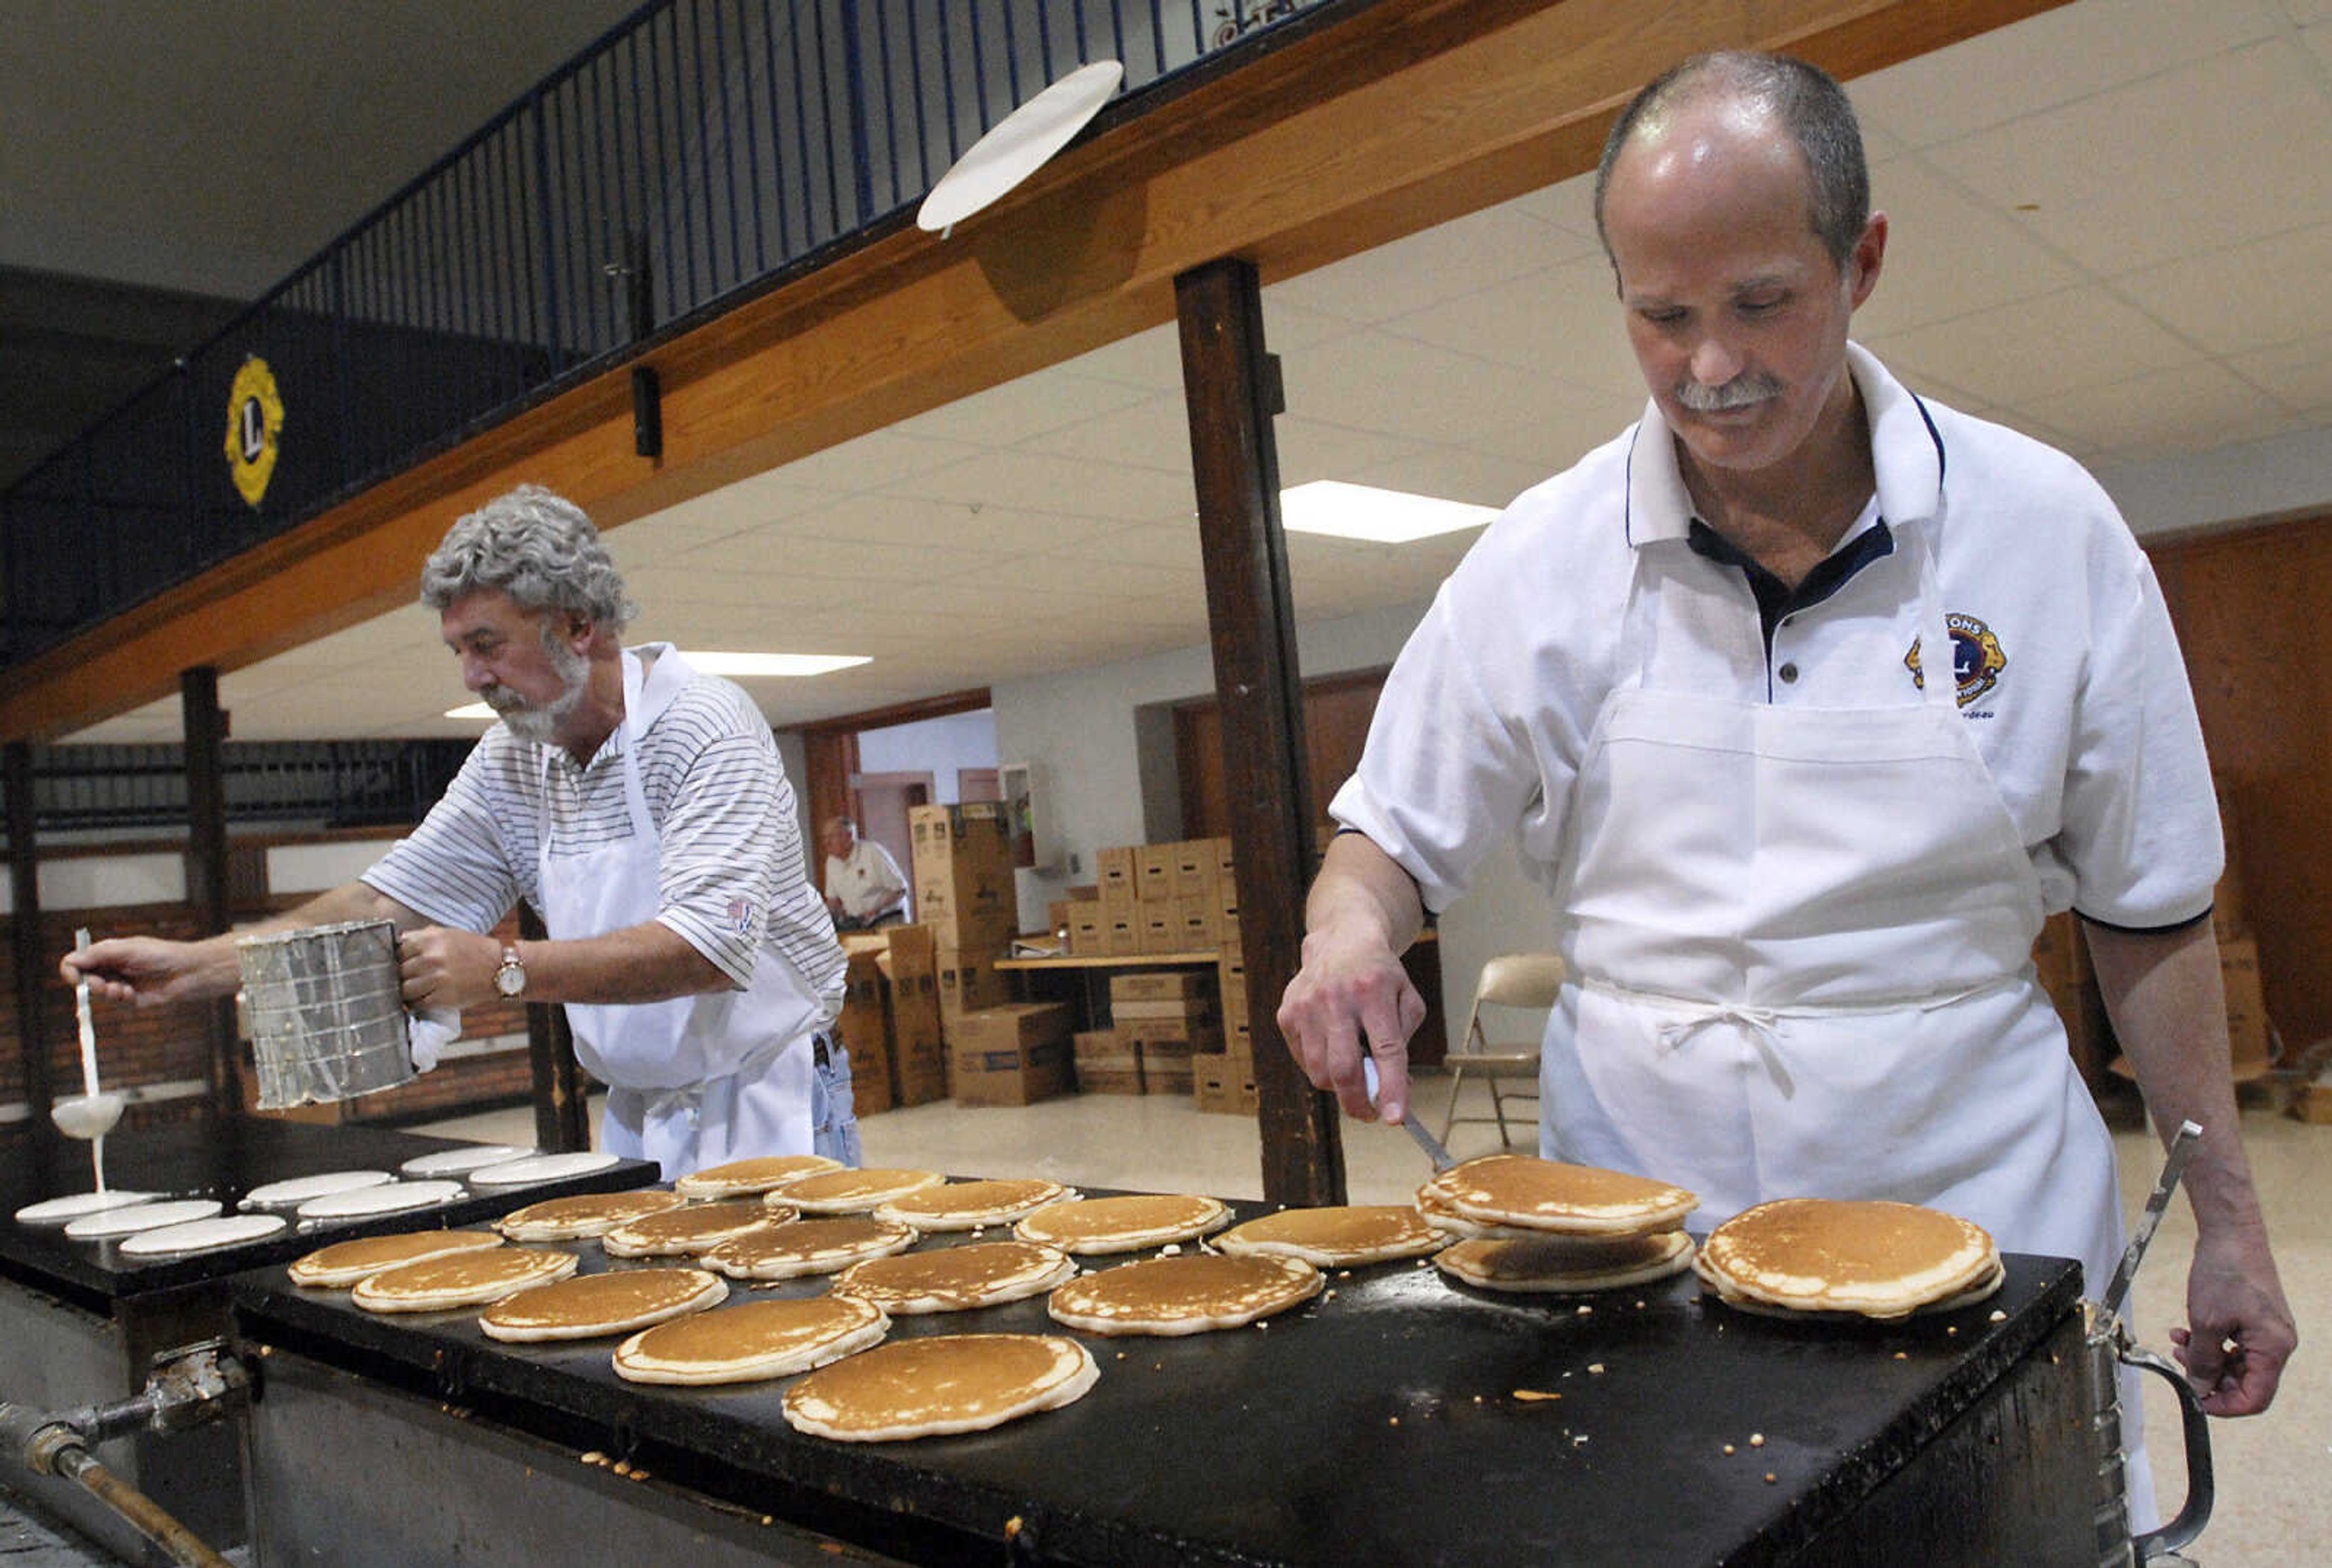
{"points": [[696, 1080], [1801, 941]]}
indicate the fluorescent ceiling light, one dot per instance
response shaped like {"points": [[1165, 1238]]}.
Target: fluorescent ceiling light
{"points": [[718, 663], [1331, 506]]}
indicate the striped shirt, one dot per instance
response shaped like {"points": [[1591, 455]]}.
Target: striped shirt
{"points": [[731, 877]]}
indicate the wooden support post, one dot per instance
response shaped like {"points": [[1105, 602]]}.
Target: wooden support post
{"points": [[1232, 387], [562, 1108], [205, 722], [29, 950]]}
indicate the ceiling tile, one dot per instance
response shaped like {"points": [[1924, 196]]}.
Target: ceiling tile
{"points": [[1568, 204], [872, 461], [2190, 409], [2114, 193], [1947, 255], [1150, 544], [907, 520], [1456, 474], [2047, 60], [1018, 409], [1036, 481], [2299, 374], [1563, 323], [773, 552], [2308, 12], [2230, 300], [1552, 445], [668, 588], [2011, 355], [1154, 432], [1440, 264], [1374, 381], [1151, 359], [1309, 449]]}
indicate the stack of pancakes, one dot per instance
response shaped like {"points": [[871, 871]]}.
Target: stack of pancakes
{"points": [[1836, 1258], [1537, 1224]]}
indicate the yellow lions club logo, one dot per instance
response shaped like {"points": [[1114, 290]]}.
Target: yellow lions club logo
{"points": [[254, 417], [1976, 659]]}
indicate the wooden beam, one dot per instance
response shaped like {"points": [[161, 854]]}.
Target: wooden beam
{"points": [[1403, 115], [205, 724], [28, 949]]}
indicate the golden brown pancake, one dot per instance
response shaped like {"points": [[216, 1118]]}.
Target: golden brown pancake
{"points": [[952, 1382], [1449, 1223], [852, 1192], [584, 1214], [1534, 1194], [591, 1304], [461, 1280], [1126, 1224], [956, 1278], [752, 1341], [803, 1246], [691, 1229], [969, 1205], [741, 1178], [345, 1262], [1566, 1262], [1337, 1236], [1869, 1258], [1179, 1296]]}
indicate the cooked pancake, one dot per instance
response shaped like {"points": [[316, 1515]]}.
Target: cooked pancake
{"points": [[1127, 1224], [108, 1222], [802, 1246], [460, 1279], [583, 1214], [851, 1192], [1870, 1258], [345, 1262], [1177, 1295], [741, 1178], [691, 1229], [1566, 1262], [752, 1341], [1449, 1223], [202, 1235], [1534, 1194], [1337, 1236], [591, 1304], [950, 1383], [969, 1205], [956, 1278], [391, 1198], [291, 1194]]}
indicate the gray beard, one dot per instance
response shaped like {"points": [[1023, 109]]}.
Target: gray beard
{"points": [[539, 723]]}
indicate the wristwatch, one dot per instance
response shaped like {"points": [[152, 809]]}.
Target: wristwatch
{"points": [[511, 978]]}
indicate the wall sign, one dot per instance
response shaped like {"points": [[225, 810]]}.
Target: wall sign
{"points": [[254, 417]]}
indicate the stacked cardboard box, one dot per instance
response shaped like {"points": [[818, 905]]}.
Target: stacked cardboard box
{"points": [[1170, 1017], [865, 1026], [1108, 1063], [1226, 1083], [1011, 1055], [910, 968], [1157, 898], [961, 858]]}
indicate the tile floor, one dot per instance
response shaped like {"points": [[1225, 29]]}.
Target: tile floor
{"points": [[2274, 1472]]}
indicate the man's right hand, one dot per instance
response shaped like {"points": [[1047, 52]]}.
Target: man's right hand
{"points": [[1352, 995], [149, 972]]}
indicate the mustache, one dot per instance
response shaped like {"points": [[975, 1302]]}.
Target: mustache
{"points": [[1741, 392]]}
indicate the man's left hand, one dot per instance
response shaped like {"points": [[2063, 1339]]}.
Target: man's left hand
{"points": [[442, 967], [2241, 1331]]}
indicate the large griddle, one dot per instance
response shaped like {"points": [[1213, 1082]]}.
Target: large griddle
{"points": [[1381, 1423], [225, 1159]]}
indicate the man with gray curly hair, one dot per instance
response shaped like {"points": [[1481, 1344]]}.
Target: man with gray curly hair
{"points": [[640, 806]]}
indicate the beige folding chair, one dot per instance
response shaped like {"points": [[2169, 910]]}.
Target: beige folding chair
{"points": [[1512, 980]]}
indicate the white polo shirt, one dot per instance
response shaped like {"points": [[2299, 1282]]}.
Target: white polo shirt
{"points": [[863, 879], [2068, 673]]}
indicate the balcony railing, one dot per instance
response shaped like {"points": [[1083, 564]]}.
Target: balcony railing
{"points": [[698, 150]]}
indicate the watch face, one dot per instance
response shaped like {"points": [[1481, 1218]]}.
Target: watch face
{"points": [[510, 980]]}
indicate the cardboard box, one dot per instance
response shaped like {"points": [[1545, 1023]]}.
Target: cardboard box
{"points": [[1194, 870], [1010, 1056], [962, 860], [2313, 1103], [1170, 985], [1167, 1074], [1107, 1063], [967, 982], [1223, 1093], [919, 1068], [1199, 922], [1088, 931], [873, 1090], [1161, 927], [1116, 871], [986, 935], [1153, 874], [1122, 938]]}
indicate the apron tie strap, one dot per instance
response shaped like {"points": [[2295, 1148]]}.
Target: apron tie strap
{"points": [[1758, 1023]]}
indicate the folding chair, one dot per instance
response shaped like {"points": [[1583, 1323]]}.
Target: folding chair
{"points": [[1515, 981]]}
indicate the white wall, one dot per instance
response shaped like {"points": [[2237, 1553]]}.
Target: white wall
{"points": [[937, 746], [1081, 726]]}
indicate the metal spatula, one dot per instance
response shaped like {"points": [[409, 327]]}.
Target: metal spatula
{"points": [[1425, 1139]]}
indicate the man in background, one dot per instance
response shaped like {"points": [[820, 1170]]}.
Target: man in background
{"points": [[864, 888]]}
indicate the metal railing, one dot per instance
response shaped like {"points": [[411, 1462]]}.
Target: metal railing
{"points": [[697, 150], [313, 784]]}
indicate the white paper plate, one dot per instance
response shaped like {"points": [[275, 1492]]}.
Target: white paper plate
{"points": [[1019, 145], [299, 1189], [72, 1206], [141, 1217], [393, 1199], [542, 1168], [462, 1161], [202, 1235]]}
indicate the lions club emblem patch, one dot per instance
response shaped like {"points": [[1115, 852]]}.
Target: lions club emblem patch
{"points": [[1977, 659]]}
